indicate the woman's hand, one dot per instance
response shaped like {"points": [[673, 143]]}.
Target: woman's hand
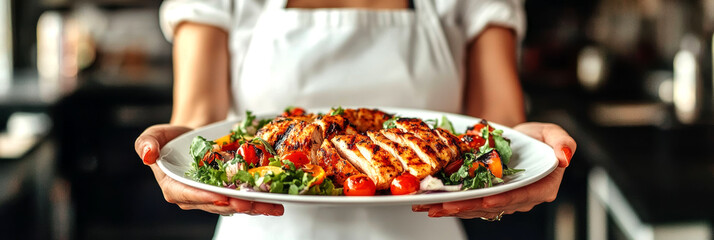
{"points": [[148, 146], [521, 199]]}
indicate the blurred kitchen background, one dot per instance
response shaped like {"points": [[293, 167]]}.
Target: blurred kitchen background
{"points": [[631, 80]]}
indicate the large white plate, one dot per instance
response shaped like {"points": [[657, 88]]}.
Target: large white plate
{"points": [[537, 158]]}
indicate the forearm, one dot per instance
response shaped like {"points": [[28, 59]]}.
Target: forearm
{"points": [[201, 75], [492, 90]]}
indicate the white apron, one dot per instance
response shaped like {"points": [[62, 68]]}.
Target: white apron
{"points": [[347, 57]]}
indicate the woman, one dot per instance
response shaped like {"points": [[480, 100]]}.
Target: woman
{"points": [[445, 55]]}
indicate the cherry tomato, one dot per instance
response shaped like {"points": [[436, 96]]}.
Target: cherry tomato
{"points": [[263, 155], [404, 184], [210, 160], [295, 111], [230, 146], [316, 172], [359, 185], [297, 157], [474, 140], [247, 150], [476, 129]]}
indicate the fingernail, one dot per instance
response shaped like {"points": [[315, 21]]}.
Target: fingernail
{"points": [[567, 153], [419, 208], [221, 203], [145, 153]]}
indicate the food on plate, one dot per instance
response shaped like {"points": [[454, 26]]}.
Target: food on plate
{"points": [[353, 152]]}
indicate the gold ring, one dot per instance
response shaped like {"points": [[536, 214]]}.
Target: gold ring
{"points": [[495, 219]]}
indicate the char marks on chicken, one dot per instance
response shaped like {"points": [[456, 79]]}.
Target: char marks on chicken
{"points": [[381, 172], [334, 165], [405, 155], [420, 129]]}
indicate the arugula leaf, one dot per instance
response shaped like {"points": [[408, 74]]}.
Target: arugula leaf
{"points": [[267, 146], [391, 123], [446, 124], [199, 147], [337, 111], [503, 146]]}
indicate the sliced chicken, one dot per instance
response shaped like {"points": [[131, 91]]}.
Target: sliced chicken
{"points": [[381, 172], [378, 155], [275, 130], [420, 129], [303, 136], [406, 156], [334, 165], [331, 126], [450, 140], [366, 119], [419, 146]]}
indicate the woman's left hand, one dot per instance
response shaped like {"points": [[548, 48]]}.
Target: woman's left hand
{"points": [[521, 199]]}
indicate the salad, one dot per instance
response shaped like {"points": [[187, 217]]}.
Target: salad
{"points": [[352, 152]]}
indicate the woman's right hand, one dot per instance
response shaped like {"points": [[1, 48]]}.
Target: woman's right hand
{"points": [[148, 146]]}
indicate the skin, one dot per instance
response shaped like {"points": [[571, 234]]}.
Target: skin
{"points": [[201, 96]]}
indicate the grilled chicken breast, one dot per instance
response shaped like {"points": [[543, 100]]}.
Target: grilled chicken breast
{"points": [[420, 129], [451, 141], [331, 126], [334, 165], [366, 119], [408, 158], [419, 146], [302, 136], [381, 171], [275, 130], [378, 155]]}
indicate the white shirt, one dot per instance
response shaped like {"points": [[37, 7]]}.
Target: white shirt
{"points": [[348, 57]]}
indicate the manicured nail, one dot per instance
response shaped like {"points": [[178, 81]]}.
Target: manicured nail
{"points": [[419, 208], [568, 154], [221, 203], [146, 152]]}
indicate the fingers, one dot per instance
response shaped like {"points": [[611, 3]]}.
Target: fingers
{"points": [[255, 208], [149, 143], [554, 136], [179, 193]]}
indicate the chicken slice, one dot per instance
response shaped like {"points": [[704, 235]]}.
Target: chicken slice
{"points": [[420, 129], [275, 130], [366, 119], [451, 141], [331, 126], [380, 172], [419, 146], [378, 155], [335, 166], [303, 136], [406, 156]]}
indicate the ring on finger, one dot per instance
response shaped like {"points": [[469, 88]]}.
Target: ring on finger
{"points": [[494, 219]]}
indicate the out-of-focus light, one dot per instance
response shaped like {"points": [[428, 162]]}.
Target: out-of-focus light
{"points": [[591, 68], [665, 91], [685, 86]]}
